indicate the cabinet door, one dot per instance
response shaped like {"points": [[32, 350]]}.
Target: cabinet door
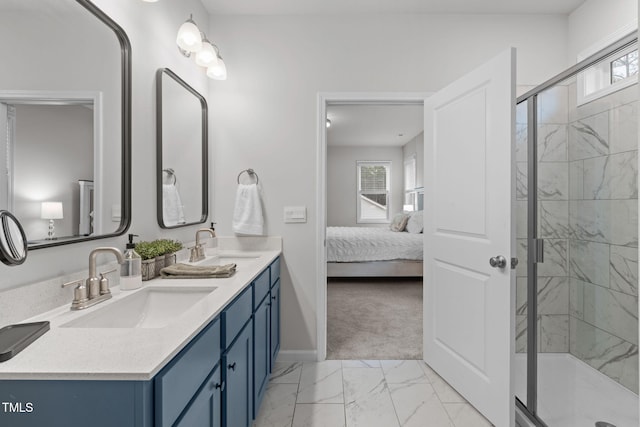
{"points": [[238, 373], [205, 409], [275, 323], [261, 352]]}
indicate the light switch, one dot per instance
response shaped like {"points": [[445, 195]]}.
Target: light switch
{"points": [[294, 214]]}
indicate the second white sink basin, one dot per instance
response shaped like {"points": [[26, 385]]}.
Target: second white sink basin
{"points": [[151, 307], [225, 259]]}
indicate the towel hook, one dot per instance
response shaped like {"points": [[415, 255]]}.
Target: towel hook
{"points": [[171, 174], [249, 172]]}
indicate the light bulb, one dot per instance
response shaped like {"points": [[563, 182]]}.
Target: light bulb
{"points": [[189, 38], [206, 56], [218, 71]]}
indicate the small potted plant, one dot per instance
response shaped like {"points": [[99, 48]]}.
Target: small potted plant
{"points": [[148, 251]]}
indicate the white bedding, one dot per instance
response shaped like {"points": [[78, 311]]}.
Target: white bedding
{"points": [[352, 244]]}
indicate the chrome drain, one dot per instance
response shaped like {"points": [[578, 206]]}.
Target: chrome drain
{"points": [[604, 424]]}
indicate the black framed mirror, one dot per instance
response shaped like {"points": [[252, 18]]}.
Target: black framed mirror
{"points": [[182, 153], [13, 241], [65, 159]]}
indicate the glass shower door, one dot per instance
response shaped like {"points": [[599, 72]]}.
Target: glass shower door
{"points": [[587, 282]]}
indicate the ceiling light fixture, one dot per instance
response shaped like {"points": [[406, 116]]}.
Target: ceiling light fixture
{"points": [[191, 40]]}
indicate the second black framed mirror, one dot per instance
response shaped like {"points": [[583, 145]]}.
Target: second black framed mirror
{"points": [[182, 152]]}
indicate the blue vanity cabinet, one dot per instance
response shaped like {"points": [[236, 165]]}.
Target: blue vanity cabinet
{"points": [[76, 403], [180, 381], [274, 314], [237, 361], [217, 380], [261, 333]]}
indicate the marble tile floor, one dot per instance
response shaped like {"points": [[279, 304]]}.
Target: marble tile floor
{"points": [[363, 393]]}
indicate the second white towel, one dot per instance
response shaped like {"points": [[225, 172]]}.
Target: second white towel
{"points": [[247, 213], [172, 209]]}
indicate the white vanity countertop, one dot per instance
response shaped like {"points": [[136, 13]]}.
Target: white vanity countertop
{"points": [[65, 353]]}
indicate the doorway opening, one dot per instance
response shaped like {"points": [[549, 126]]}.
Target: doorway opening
{"points": [[367, 175]]}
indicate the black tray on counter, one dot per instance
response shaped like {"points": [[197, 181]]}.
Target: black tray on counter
{"points": [[15, 338]]}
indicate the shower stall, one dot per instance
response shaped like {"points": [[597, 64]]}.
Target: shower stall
{"points": [[577, 235]]}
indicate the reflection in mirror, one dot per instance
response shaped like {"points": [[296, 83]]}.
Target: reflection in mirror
{"points": [[65, 132], [13, 242], [182, 152]]}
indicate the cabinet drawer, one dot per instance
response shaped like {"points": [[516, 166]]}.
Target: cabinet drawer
{"points": [[275, 271], [260, 288], [176, 384], [236, 315]]}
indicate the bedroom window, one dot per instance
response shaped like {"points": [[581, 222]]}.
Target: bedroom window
{"points": [[373, 196], [410, 181]]}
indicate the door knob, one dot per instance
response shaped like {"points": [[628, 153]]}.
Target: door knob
{"points": [[498, 261]]}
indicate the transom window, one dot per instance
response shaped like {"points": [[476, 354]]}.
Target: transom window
{"points": [[373, 196], [612, 74], [624, 67]]}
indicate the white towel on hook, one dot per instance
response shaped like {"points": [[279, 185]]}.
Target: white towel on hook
{"points": [[172, 209], [247, 213]]}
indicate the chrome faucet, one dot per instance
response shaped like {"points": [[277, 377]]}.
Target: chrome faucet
{"points": [[197, 252], [95, 289]]}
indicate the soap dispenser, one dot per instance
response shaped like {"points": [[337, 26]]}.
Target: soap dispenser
{"points": [[131, 270]]}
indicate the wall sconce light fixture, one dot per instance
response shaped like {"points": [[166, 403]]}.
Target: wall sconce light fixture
{"points": [[51, 211], [328, 123], [191, 40]]}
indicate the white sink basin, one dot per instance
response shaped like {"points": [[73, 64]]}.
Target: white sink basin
{"points": [[225, 259], [151, 307]]}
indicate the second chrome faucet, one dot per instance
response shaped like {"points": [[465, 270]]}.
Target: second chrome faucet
{"points": [[197, 252]]}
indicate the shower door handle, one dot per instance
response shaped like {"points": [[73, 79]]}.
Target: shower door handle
{"points": [[498, 261]]}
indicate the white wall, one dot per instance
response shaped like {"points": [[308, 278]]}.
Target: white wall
{"points": [[151, 28], [416, 147], [264, 116], [342, 182], [595, 20]]}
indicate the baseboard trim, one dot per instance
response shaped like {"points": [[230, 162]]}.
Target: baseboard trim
{"points": [[297, 356]]}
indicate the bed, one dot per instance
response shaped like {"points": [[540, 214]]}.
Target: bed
{"points": [[373, 252]]}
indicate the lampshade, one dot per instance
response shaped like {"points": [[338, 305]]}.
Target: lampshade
{"points": [[218, 71], [189, 38], [51, 210], [207, 56]]}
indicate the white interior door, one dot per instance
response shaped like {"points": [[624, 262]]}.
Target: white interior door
{"points": [[469, 186]]}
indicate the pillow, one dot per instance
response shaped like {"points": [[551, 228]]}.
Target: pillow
{"points": [[415, 223], [399, 222]]}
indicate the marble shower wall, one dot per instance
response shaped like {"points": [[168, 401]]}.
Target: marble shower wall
{"points": [[587, 215], [603, 242]]}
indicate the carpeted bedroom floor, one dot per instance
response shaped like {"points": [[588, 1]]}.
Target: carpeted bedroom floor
{"points": [[374, 318]]}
